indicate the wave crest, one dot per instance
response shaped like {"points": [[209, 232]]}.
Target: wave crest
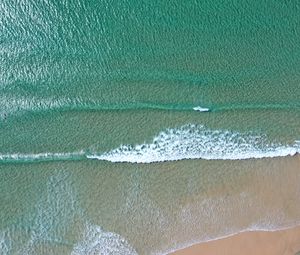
{"points": [[11, 105], [198, 142], [187, 142]]}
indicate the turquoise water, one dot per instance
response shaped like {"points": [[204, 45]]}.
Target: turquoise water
{"points": [[198, 89], [130, 55]]}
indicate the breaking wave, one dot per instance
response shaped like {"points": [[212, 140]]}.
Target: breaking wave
{"points": [[187, 142], [198, 142]]}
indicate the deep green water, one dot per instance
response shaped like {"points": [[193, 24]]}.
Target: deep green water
{"points": [[119, 81]]}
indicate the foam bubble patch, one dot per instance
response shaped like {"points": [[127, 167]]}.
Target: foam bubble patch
{"points": [[198, 142], [97, 241], [201, 109]]}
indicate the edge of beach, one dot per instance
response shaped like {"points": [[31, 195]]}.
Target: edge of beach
{"points": [[279, 242]]}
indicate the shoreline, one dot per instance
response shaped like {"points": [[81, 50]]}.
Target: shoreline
{"points": [[258, 239], [260, 242]]}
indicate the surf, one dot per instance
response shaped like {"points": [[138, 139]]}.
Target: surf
{"points": [[41, 157], [186, 142], [198, 142]]}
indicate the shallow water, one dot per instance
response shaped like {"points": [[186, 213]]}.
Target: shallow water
{"points": [[191, 88], [89, 206]]}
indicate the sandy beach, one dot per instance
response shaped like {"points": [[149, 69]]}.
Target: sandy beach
{"points": [[282, 242]]}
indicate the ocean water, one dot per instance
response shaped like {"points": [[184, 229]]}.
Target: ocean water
{"points": [[138, 127]]}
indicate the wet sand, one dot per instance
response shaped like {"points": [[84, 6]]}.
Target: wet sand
{"points": [[282, 242]]}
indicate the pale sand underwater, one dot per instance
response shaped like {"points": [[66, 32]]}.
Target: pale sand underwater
{"points": [[86, 207], [278, 190]]}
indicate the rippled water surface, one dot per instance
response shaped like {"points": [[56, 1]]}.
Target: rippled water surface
{"points": [[206, 92]]}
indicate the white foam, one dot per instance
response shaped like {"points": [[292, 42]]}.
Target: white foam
{"points": [[40, 156], [200, 109], [97, 241], [5, 244], [195, 142], [54, 215]]}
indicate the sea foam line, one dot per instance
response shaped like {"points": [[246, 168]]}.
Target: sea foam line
{"points": [[186, 142], [198, 142], [48, 156], [230, 234]]}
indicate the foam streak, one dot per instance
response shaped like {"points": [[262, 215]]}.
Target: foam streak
{"points": [[198, 142]]}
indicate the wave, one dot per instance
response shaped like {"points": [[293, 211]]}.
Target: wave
{"points": [[11, 105], [41, 157], [14, 105], [198, 142], [187, 142]]}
